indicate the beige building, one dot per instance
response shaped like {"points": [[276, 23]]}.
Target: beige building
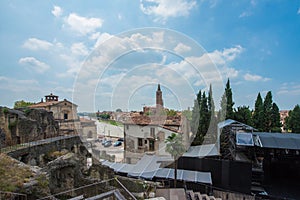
{"points": [[64, 112], [89, 129], [144, 133]]}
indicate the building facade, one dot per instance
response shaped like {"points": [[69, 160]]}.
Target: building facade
{"points": [[64, 112], [146, 132]]}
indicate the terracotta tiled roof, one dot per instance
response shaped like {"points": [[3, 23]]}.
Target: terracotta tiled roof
{"points": [[154, 120], [49, 103], [44, 104]]}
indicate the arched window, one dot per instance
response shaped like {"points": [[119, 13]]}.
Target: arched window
{"points": [[90, 134]]}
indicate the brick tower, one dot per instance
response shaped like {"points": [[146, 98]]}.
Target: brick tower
{"points": [[159, 100]]}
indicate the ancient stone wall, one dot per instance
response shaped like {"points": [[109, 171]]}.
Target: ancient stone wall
{"points": [[26, 125]]}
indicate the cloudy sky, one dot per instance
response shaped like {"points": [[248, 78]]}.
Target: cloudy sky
{"points": [[105, 55]]}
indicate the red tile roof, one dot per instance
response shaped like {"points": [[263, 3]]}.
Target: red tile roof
{"points": [[154, 120]]}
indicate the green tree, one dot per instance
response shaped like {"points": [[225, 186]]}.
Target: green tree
{"points": [[118, 110], [196, 115], [204, 117], [210, 101], [174, 146], [227, 103], [104, 116], [293, 120], [22, 104], [171, 113], [212, 130], [268, 112], [188, 114], [258, 114], [243, 114], [275, 119]]}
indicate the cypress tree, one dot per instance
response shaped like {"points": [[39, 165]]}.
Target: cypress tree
{"points": [[243, 114], [293, 120], [268, 112], [258, 114], [227, 103], [275, 119], [196, 119]]}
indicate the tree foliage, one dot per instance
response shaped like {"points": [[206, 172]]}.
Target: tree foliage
{"points": [[171, 113], [22, 104], [275, 119], [293, 120], [243, 114], [258, 114], [104, 116], [174, 146], [188, 114], [266, 116], [203, 117], [227, 103]]}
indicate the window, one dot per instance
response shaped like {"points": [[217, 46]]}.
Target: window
{"points": [[152, 132], [145, 141], [140, 142], [90, 134], [151, 145], [65, 116]]}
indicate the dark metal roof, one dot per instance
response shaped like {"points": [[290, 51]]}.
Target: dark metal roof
{"points": [[277, 140]]}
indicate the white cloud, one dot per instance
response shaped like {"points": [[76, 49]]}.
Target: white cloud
{"points": [[18, 85], [245, 14], [37, 44], [182, 48], [227, 55], [197, 68], [289, 88], [253, 2], [57, 11], [163, 9], [34, 64], [120, 16], [255, 78], [83, 25], [79, 49], [229, 72], [298, 12]]}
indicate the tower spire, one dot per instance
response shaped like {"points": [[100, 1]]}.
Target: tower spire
{"points": [[159, 100]]}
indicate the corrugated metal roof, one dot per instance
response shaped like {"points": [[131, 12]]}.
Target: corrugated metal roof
{"points": [[148, 168], [202, 151]]}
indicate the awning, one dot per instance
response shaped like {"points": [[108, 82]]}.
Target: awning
{"points": [[148, 168], [202, 151]]}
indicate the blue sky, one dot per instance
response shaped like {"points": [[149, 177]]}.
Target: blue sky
{"points": [[103, 55]]}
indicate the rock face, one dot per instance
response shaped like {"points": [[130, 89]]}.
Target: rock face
{"points": [[65, 173], [25, 125]]}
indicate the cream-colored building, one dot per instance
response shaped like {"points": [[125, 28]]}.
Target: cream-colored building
{"points": [[146, 135], [89, 129], [147, 131], [65, 112]]}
